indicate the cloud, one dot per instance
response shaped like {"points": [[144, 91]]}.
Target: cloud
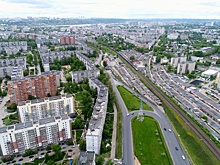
{"points": [[112, 8]]}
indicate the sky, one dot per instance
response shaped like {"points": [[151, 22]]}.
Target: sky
{"points": [[131, 9]]}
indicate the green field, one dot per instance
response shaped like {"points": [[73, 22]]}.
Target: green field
{"points": [[118, 152], [148, 142], [131, 101]]}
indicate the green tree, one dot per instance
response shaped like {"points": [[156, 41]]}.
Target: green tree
{"points": [[82, 145], [105, 63], [50, 162], [56, 148], [158, 59], [218, 61], [14, 106], [25, 72], [99, 160], [132, 58], [109, 162]]}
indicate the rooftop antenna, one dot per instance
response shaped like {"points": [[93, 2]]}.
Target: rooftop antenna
{"points": [[140, 113]]}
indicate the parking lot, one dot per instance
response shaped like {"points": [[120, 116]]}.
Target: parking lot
{"points": [[72, 151]]}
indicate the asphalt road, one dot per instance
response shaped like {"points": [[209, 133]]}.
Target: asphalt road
{"points": [[170, 138]]}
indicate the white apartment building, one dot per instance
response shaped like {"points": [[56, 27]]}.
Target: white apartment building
{"points": [[32, 110], [176, 60], [79, 76], [16, 139], [183, 67], [96, 124]]}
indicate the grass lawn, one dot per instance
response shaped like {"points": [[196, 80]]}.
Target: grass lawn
{"points": [[7, 121], [118, 152], [131, 101], [149, 145]]}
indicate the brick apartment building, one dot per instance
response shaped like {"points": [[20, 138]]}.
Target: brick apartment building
{"points": [[70, 40], [38, 86]]}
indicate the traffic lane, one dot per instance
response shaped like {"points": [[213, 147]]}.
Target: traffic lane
{"points": [[169, 137], [127, 144]]}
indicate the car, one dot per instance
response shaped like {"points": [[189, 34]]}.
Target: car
{"points": [[165, 129], [183, 157], [169, 130], [72, 146], [176, 148], [128, 114]]}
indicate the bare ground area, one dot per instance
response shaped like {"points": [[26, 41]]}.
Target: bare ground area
{"points": [[136, 161]]}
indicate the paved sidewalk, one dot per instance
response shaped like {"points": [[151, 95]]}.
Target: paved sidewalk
{"points": [[114, 133]]}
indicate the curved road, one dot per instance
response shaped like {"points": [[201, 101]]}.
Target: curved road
{"points": [[170, 138]]}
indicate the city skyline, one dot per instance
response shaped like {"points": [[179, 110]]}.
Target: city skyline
{"points": [[128, 9]]}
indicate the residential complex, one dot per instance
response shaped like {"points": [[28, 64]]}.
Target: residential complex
{"points": [[18, 138], [70, 40], [12, 67], [38, 86], [86, 158], [96, 124], [183, 67], [32, 110], [13, 47], [79, 76]]}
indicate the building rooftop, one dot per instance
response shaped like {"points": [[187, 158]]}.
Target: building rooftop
{"points": [[86, 158]]}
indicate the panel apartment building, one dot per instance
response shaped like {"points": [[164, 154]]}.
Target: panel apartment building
{"points": [[16, 139], [96, 124], [38, 86], [97, 121], [32, 110]]}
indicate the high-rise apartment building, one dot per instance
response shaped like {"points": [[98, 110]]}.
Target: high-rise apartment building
{"points": [[70, 40], [32, 110], [16, 139], [38, 86]]}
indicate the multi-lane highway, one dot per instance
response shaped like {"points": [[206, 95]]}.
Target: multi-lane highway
{"points": [[170, 138], [210, 144]]}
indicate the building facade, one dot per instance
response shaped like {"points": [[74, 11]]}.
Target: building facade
{"points": [[183, 67], [176, 60], [38, 86], [16, 139], [97, 121], [13, 47], [32, 110], [96, 124], [218, 80], [70, 40], [79, 76]]}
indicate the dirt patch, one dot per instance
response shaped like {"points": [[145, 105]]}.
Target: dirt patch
{"points": [[136, 161]]}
